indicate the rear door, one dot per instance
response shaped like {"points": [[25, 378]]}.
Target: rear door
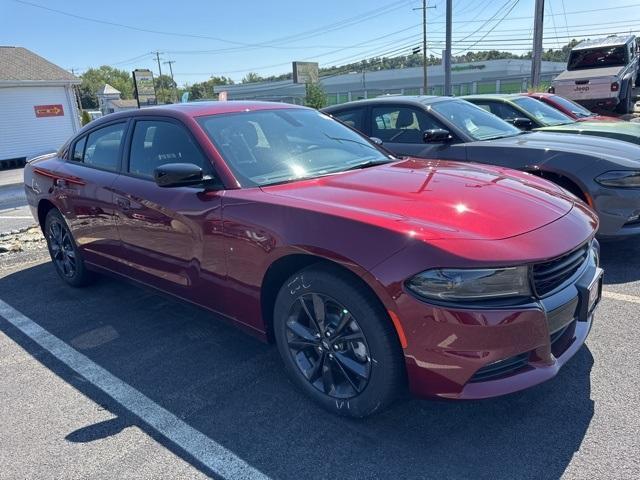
{"points": [[83, 190], [172, 237], [401, 129]]}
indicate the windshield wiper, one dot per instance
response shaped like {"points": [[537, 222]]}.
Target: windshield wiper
{"points": [[368, 163]]}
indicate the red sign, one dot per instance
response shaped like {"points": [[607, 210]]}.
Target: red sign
{"points": [[49, 110]]}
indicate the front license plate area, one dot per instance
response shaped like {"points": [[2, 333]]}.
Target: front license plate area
{"points": [[595, 293]]}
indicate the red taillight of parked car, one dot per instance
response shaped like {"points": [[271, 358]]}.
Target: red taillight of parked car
{"points": [[615, 86]]}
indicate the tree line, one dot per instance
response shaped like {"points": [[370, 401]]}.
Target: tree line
{"points": [[168, 91]]}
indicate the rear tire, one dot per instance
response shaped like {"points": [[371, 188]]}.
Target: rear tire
{"points": [[337, 343], [626, 106], [64, 252]]}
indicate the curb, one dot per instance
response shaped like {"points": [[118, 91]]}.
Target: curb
{"points": [[16, 231]]}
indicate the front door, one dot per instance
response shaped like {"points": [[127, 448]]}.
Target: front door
{"points": [[171, 236]]}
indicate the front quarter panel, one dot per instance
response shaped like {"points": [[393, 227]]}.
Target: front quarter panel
{"points": [[259, 230]]}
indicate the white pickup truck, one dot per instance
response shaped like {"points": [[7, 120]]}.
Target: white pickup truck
{"points": [[601, 73]]}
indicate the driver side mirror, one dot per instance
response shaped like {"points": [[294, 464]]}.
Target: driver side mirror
{"points": [[521, 123], [436, 135], [178, 175]]}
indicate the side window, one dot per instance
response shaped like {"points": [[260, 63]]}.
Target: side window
{"points": [[102, 148], [156, 142], [502, 110], [78, 150], [353, 118], [401, 124]]}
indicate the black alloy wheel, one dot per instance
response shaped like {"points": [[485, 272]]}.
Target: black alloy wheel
{"points": [[328, 346], [337, 342], [64, 252]]}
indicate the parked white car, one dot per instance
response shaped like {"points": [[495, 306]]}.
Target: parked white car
{"points": [[601, 73]]}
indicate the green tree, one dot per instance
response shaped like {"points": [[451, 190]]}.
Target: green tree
{"points": [[165, 89], [94, 79], [205, 89], [252, 77], [315, 96]]}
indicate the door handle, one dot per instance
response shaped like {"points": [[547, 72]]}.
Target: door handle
{"points": [[123, 203]]}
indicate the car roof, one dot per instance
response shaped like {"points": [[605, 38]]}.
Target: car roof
{"points": [[612, 41], [415, 100], [492, 96], [196, 109]]}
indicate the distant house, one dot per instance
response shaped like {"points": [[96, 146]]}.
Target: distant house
{"points": [[38, 107], [109, 100]]}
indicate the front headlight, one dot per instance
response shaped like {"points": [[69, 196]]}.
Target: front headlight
{"points": [[620, 179], [471, 284]]}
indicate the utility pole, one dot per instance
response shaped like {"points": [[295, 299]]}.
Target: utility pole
{"points": [[536, 54], [424, 44], [159, 70], [447, 55], [170, 63]]}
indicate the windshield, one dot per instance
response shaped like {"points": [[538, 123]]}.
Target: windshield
{"points": [[598, 58], [274, 146], [546, 115], [578, 110], [473, 120]]}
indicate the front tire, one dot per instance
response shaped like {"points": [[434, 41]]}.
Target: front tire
{"points": [[64, 252], [337, 343]]}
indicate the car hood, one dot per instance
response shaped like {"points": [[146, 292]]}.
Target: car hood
{"points": [[621, 130], [434, 199], [624, 154]]}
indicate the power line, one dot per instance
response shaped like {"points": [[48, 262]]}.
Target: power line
{"points": [[332, 27]]}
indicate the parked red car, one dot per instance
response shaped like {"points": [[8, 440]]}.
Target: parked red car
{"points": [[571, 108], [368, 271]]}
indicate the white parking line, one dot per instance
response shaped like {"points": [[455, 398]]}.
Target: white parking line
{"points": [[621, 296], [216, 457], [16, 217]]}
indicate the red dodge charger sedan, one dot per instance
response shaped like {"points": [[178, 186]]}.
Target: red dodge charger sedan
{"points": [[369, 272]]}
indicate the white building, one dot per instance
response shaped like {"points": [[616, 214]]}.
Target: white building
{"points": [[109, 100], [38, 107]]}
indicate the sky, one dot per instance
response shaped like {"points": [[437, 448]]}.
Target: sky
{"points": [[232, 38]]}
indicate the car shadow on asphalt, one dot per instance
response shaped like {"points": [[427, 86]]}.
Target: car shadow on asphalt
{"points": [[620, 260], [233, 389]]}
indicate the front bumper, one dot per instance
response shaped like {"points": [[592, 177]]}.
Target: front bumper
{"points": [[459, 353], [615, 207]]}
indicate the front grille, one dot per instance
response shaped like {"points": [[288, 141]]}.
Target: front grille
{"points": [[549, 275], [501, 368]]}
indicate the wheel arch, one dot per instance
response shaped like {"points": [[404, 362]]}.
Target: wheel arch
{"points": [[287, 265], [565, 182], [44, 206]]}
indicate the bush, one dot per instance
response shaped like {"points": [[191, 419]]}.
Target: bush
{"points": [[86, 118]]}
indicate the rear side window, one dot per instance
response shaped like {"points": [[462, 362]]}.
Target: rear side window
{"points": [[156, 142], [101, 148], [353, 118], [78, 150]]}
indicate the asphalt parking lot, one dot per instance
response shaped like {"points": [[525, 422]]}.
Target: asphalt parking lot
{"points": [[116, 381]]}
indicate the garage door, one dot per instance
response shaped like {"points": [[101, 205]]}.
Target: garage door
{"points": [[25, 134]]}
